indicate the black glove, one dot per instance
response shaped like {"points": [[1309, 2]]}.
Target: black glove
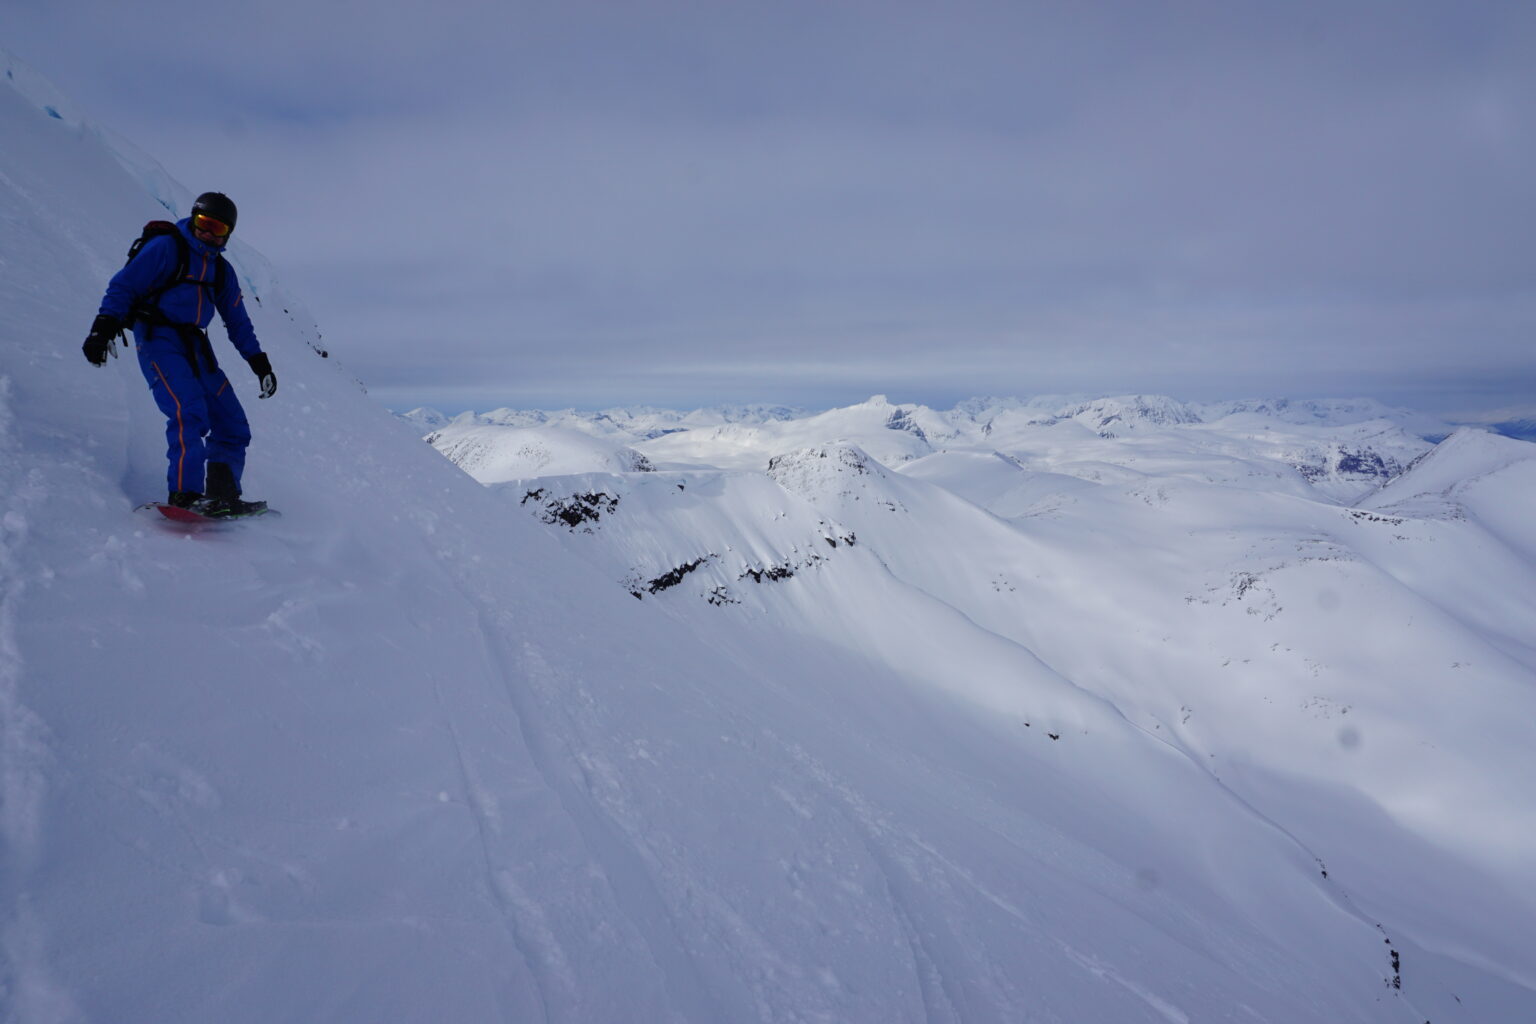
{"points": [[104, 331], [261, 366]]}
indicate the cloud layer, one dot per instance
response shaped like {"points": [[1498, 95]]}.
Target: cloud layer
{"points": [[584, 203]]}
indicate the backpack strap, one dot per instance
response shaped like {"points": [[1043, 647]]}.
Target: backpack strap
{"points": [[148, 306]]}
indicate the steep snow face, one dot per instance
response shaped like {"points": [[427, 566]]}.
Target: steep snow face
{"points": [[676, 530], [419, 750]]}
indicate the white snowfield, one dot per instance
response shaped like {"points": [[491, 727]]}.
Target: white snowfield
{"points": [[1006, 713]]}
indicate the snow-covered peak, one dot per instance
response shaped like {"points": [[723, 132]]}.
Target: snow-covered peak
{"points": [[494, 454], [424, 419], [892, 434], [1108, 417], [1468, 455], [840, 469]]}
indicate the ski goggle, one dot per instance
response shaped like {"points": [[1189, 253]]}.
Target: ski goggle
{"points": [[210, 225]]}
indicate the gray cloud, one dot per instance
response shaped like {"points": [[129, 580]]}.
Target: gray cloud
{"points": [[706, 202]]}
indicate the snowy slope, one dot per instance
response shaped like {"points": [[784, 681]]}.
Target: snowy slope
{"points": [[1321, 661], [1065, 782], [1288, 647], [415, 751]]}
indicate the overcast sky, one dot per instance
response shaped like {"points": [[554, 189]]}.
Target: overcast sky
{"points": [[545, 204]]}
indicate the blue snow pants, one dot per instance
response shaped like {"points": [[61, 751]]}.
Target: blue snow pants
{"points": [[204, 421]]}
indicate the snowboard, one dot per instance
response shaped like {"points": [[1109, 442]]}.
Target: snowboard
{"points": [[186, 515]]}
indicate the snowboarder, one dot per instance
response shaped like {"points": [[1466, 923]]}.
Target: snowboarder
{"points": [[167, 293]]}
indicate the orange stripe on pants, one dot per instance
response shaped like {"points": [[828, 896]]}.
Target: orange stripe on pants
{"points": [[181, 430]]}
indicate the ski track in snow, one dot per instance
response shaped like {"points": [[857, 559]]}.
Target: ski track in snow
{"points": [[1091, 964], [625, 871], [525, 920], [904, 881]]}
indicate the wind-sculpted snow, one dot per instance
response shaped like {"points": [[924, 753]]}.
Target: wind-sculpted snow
{"points": [[1182, 740]]}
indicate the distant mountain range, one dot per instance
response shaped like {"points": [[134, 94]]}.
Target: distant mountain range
{"points": [[1340, 449], [1103, 413]]}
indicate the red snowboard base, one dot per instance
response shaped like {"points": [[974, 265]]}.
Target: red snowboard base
{"points": [[186, 515]]}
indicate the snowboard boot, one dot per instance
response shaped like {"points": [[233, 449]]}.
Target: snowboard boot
{"points": [[223, 494], [184, 499]]}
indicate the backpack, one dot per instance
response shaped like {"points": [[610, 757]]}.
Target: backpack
{"points": [[148, 307], [198, 350]]}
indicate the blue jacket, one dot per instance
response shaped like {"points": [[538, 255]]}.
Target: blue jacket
{"points": [[185, 303]]}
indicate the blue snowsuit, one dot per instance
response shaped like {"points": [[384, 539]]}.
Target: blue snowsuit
{"points": [[204, 419]]}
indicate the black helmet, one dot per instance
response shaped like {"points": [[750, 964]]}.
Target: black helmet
{"points": [[218, 206]]}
